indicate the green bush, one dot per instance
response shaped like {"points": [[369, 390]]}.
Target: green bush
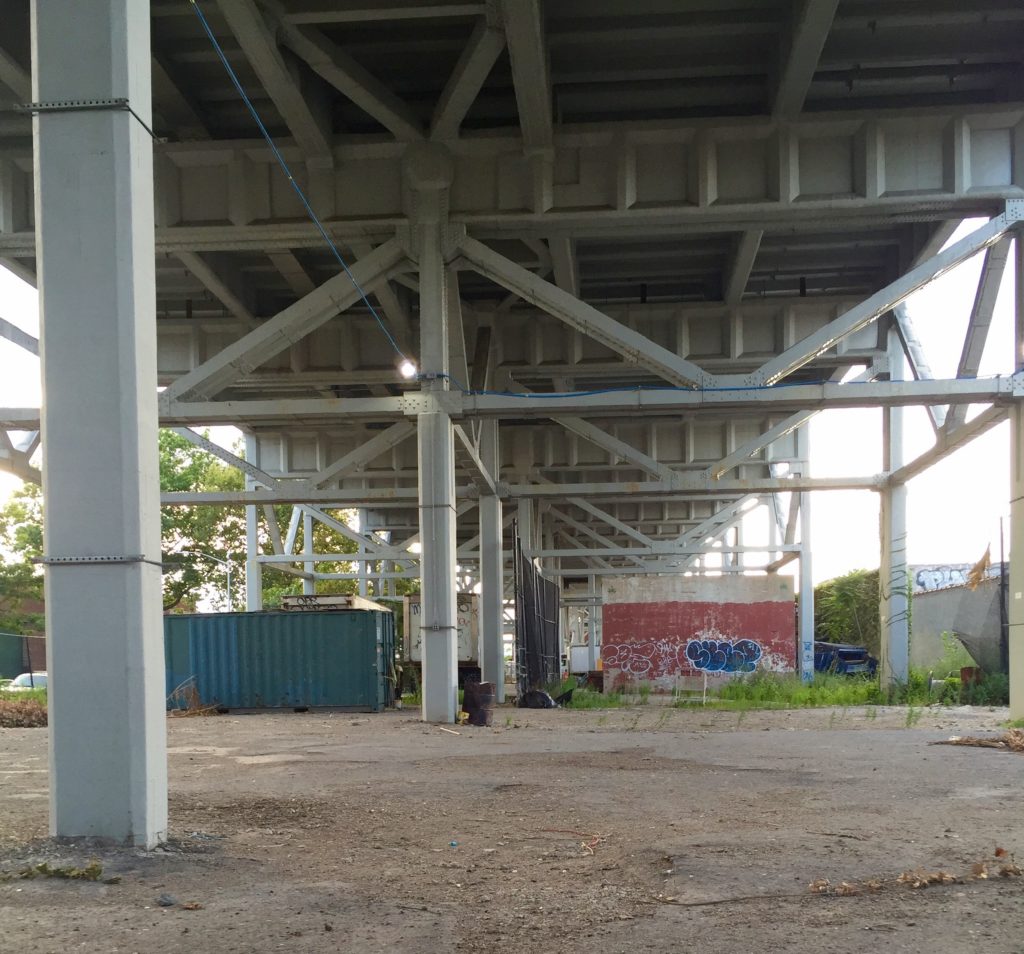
{"points": [[990, 690], [846, 610]]}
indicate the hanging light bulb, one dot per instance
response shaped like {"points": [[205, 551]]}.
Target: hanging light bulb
{"points": [[407, 369]]}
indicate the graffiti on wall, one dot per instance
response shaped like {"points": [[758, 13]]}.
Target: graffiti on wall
{"points": [[927, 579], [658, 643], [644, 658], [723, 655]]}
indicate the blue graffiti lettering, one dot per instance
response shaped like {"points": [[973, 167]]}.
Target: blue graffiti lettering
{"points": [[723, 655]]}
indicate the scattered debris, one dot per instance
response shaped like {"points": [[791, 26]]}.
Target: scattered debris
{"points": [[167, 900], [919, 878], [191, 906], [184, 701], [449, 731], [91, 872], [1012, 740], [587, 846]]}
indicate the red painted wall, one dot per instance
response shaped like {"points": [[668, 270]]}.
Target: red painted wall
{"points": [[664, 642]]}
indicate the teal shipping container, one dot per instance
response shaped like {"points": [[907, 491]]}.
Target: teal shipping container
{"points": [[343, 659]]}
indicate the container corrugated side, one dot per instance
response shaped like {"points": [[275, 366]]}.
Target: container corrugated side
{"points": [[282, 660]]}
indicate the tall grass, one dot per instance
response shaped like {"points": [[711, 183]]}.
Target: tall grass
{"points": [[592, 699], [24, 695], [765, 690]]}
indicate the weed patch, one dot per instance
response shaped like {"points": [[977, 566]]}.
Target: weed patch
{"points": [[764, 690], [91, 872], [591, 699], [22, 713]]}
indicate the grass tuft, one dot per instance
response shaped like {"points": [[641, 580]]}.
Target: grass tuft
{"points": [[592, 699]]}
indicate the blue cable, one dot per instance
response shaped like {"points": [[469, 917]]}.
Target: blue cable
{"points": [[314, 218]]}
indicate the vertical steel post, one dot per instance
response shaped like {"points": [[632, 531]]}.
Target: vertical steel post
{"points": [[593, 624], [492, 584], [437, 565], [364, 564], [308, 566], [429, 170], [95, 254], [806, 604], [253, 568], [1016, 595], [892, 574]]}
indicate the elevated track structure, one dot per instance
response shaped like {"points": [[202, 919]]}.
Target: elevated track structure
{"points": [[630, 248]]}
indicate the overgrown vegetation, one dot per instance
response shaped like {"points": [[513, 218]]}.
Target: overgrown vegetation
{"points": [[766, 690], [846, 610], [592, 699]]}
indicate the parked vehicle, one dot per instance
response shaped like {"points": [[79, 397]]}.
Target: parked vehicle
{"points": [[843, 659], [27, 681]]}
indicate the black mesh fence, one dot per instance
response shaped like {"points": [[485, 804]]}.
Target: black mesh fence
{"points": [[537, 655]]}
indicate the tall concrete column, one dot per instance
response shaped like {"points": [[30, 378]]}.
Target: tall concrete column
{"points": [[892, 574], [308, 566], [492, 584], [1016, 595], [428, 171], [95, 254], [806, 604]]}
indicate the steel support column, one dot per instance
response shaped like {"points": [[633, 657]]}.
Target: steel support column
{"points": [[94, 221], [437, 566], [492, 652], [594, 624], [364, 566], [253, 568], [429, 172], [892, 575], [806, 618], [308, 566], [1016, 595]]}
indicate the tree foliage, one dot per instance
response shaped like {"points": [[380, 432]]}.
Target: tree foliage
{"points": [[21, 582], [200, 542], [846, 610]]}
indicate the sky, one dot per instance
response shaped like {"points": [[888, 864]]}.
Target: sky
{"points": [[954, 508]]}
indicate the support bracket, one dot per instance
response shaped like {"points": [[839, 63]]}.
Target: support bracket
{"points": [[116, 103], [91, 560]]}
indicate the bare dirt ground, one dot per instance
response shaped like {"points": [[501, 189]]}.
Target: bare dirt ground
{"points": [[644, 829]]}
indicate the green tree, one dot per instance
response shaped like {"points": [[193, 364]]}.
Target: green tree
{"points": [[199, 541], [21, 581], [846, 610]]}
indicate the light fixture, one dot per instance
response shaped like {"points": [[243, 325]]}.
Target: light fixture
{"points": [[407, 369]]}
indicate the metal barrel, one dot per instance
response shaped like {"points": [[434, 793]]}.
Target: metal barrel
{"points": [[478, 701]]}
